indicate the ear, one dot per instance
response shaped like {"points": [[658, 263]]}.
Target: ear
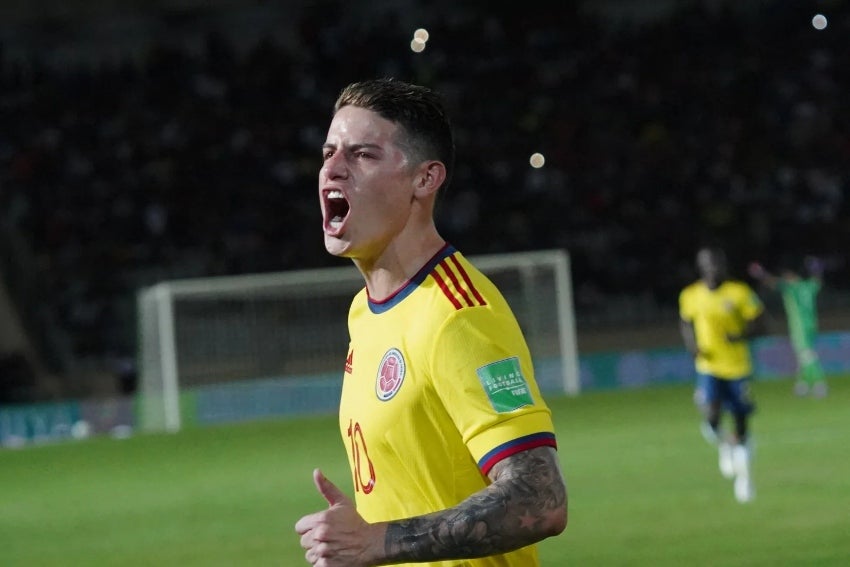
{"points": [[429, 178]]}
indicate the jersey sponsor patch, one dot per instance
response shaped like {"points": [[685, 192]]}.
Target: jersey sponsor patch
{"points": [[505, 385], [390, 375]]}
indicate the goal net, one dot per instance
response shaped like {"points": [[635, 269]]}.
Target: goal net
{"points": [[235, 348]]}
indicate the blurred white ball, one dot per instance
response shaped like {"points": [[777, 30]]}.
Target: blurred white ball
{"points": [[121, 432], [417, 45], [537, 160], [422, 34], [81, 429], [819, 22]]}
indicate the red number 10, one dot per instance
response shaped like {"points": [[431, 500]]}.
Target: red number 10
{"points": [[358, 443]]}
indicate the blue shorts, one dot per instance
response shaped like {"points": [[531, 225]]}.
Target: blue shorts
{"points": [[734, 395]]}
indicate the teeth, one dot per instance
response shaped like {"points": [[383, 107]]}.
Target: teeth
{"points": [[336, 222], [335, 194]]}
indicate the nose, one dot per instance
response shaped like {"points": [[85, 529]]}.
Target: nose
{"points": [[335, 167]]}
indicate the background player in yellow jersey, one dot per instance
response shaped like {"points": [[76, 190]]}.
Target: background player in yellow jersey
{"points": [[718, 317], [451, 447]]}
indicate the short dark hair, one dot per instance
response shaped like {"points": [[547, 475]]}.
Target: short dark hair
{"points": [[418, 110]]}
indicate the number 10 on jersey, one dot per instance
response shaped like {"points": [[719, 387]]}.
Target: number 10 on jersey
{"points": [[360, 453]]}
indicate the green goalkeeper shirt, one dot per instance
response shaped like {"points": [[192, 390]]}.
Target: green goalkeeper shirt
{"points": [[799, 297]]}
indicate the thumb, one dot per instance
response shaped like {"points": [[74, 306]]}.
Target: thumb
{"points": [[326, 488]]}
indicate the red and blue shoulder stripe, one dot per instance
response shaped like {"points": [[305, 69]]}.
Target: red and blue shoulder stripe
{"points": [[454, 281], [451, 277]]}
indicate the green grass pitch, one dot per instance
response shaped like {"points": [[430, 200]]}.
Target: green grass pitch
{"points": [[644, 489]]}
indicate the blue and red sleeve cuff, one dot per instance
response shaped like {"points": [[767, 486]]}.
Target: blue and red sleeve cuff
{"points": [[488, 461]]}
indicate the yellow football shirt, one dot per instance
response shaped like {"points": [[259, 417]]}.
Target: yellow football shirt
{"points": [[716, 314], [438, 387]]}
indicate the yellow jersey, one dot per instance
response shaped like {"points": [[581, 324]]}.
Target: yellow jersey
{"points": [[438, 387], [716, 314]]}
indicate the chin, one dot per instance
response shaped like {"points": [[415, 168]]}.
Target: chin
{"points": [[336, 247]]}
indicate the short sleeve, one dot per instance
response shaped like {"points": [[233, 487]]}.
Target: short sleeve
{"points": [[686, 305], [483, 374], [751, 304]]}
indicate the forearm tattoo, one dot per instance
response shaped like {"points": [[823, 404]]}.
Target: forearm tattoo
{"points": [[512, 512]]}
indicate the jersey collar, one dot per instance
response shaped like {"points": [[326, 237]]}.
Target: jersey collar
{"points": [[378, 307]]}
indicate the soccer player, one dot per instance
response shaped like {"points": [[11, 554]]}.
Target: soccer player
{"points": [[718, 317], [451, 446], [799, 296]]}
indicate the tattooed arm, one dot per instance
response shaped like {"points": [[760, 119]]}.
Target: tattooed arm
{"points": [[526, 502]]}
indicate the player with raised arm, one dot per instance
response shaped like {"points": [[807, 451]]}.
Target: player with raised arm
{"points": [[451, 446], [799, 297], [718, 317]]}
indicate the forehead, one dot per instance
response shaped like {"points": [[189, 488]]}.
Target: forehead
{"points": [[355, 125]]}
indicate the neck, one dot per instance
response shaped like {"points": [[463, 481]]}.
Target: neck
{"points": [[398, 262]]}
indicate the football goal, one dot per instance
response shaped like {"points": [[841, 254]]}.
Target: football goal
{"points": [[233, 348]]}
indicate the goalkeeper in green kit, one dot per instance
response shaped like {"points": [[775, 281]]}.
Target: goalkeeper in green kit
{"points": [[799, 296]]}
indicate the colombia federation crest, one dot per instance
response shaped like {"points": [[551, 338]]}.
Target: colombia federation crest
{"points": [[390, 375]]}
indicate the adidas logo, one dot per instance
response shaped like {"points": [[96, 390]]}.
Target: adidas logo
{"points": [[349, 362]]}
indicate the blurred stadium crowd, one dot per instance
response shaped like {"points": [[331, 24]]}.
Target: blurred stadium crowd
{"points": [[722, 125]]}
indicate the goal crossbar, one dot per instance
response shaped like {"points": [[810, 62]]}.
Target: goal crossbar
{"points": [[164, 342]]}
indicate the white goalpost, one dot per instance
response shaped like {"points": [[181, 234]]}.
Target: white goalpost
{"points": [[234, 348]]}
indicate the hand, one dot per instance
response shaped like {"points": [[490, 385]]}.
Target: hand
{"points": [[814, 266], [756, 270], [735, 337], [338, 536]]}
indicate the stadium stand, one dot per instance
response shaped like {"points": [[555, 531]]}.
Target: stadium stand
{"points": [[191, 148]]}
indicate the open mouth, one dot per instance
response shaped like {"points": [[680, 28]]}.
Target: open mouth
{"points": [[336, 208]]}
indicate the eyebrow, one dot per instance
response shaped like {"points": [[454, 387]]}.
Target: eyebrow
{"points": [[354, 147]]}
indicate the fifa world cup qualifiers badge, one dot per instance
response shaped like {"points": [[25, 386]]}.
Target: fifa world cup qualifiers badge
{"points": [[505, 385], [390, 375]]}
